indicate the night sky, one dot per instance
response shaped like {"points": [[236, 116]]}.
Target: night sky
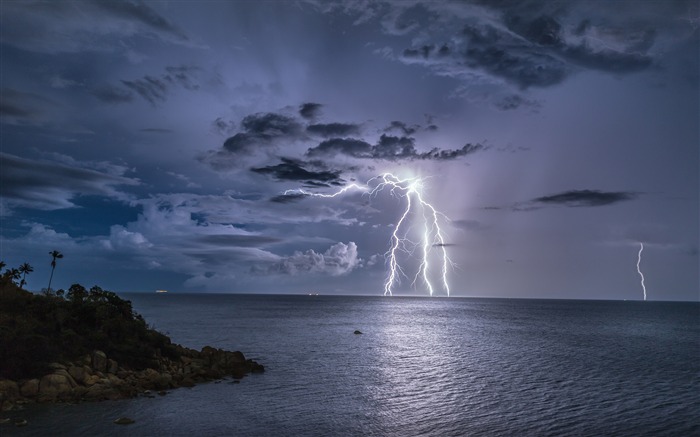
{"points": [[152, 143]]}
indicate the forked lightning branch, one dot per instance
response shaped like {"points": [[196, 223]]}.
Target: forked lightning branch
{"points": [[432, 236]]}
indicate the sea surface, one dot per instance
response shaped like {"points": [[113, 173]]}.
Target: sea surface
{"points": [[421, 367]]}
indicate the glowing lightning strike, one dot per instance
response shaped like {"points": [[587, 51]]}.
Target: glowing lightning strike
{"points": [[639, 259], [432, 235], [337, 193]]}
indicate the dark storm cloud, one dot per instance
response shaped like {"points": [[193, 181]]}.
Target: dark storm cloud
{"points": [[515, 101], [496, 53], [237, 240], [223, 127], [333, 129], [529, 46], [150, 88], [402, 127], [342, 146], [50, 185], [7, 109], [257, 131], [155, 89], [112, 94], [310, 110], [18, 106], [390, 148], [157, 130], [576, 198], [260, 130], [71, 26], [270, 125], [572, 199], [140, 12], [288, 198], [294, 170]]}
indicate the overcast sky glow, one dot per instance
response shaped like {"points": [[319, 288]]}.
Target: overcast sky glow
{"points": [[152, 143]]}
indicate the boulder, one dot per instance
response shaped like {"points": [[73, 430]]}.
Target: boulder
{"points": [[54, 387], [30, 389], [163, 381], [91, 380], [112, 366], [99, 361], [78, 373], [65, 373], [256, 367], [9, 392], [100, 391]]}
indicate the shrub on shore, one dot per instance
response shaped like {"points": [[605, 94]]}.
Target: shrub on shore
{"points": [[36, 330]]}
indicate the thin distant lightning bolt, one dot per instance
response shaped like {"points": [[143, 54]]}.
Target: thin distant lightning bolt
{"points": [[639, 259], [411, 189], [337, 193]]}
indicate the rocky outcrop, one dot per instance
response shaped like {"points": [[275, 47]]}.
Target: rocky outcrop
{"points": [[96, 377]]}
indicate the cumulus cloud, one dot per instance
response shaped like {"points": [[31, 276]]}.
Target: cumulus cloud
{"points": [[339, 259]]}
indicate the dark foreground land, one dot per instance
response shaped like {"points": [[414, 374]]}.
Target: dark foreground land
{"points": [[89, 345]]}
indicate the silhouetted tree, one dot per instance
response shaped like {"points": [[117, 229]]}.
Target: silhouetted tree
{"points": [[55, 255], [12, 274], [24, 269]]}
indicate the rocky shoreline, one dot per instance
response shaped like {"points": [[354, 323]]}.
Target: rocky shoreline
{"points": [[96, 377]]}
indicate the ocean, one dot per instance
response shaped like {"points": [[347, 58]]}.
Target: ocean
{"points": [[421, 367]]}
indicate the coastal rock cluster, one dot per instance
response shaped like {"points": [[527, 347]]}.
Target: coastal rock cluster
{"points": [[96, 377]]}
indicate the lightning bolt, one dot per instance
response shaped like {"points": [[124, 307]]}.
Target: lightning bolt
{"points": [[639, 259], [410, 189], [337, 193]]}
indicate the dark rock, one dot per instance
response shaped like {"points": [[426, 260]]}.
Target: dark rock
{"points": [[30, 388], [99, 361], [124, 421], [357, 332]]}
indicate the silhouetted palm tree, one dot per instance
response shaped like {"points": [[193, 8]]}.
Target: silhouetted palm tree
{"points": [[13, 274], [55, 255], [2, 265], [24, 269]]}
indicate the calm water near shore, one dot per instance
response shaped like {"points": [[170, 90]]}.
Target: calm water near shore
{"points": [[423, 366]]}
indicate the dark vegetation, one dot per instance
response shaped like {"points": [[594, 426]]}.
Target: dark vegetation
{"points": [[60, 326]]}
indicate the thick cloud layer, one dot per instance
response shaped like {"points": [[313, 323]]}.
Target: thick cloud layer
{"points": [[49, 185], [339, 259]]}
